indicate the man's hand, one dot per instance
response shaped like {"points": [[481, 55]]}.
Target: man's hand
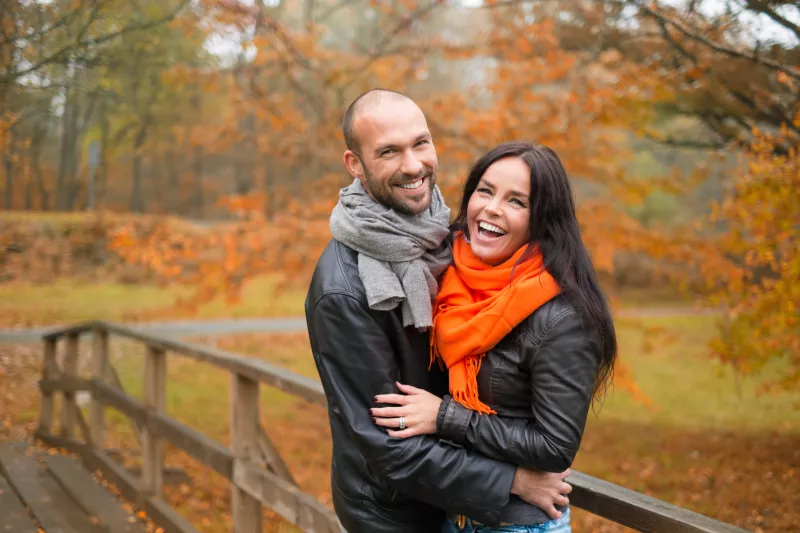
{"points": [[545, 490]]}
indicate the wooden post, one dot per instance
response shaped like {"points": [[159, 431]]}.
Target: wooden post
{"points": [[246, 510], [48, 365], [155, 392], [99, 372], [69, 411]]}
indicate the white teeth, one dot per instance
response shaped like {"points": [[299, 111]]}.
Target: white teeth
{"points": [[416, 185], [491, 227]]}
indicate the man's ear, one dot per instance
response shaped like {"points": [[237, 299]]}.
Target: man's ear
{"points": [[353, 164]]}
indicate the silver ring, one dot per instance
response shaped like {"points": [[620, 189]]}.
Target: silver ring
{"points": [[402, 423]]}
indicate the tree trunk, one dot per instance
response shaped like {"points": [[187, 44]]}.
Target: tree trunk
{"points": [[28, 191], [9, 165], [197, 169], [66, 155], [101, 178], [36, 170], [137, 197], [197, 162], [245, 152]]}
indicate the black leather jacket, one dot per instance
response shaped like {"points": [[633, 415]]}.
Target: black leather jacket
{"points": [[539, 379], [381, 484]]}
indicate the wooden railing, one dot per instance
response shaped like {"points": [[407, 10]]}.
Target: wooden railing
{"points": [[252, 464]]}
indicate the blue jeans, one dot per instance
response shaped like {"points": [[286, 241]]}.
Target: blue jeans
{"points": [[560, 525]]}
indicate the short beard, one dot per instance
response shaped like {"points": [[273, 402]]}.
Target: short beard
{"points": [[382, 191]]}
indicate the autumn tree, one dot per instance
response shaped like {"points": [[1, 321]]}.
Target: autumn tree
{"points": [[49, 52], [733, 68]]}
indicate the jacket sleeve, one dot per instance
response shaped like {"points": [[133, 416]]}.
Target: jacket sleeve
{"points": [[563, 369], [356, 361]]}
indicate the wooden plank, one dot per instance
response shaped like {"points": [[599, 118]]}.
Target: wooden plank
{"points": [[90, 495], [155, 391], [272, 457], [129, 486], [69, 411], [65, 384], [97, 409], [52, 508], [13, 518], [75, 329], [127, 405], [201, 447], [156, 508], [255, 369], [638, 511], [261, 371], [117, 382], [48, 364], [284, 498], [196, 444], [245, 507]]}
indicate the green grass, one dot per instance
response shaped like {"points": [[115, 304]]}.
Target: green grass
{"points": [[67, 301], [687, 388]]}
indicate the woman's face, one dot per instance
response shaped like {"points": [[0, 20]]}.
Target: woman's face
{"points": [[498, 211]]}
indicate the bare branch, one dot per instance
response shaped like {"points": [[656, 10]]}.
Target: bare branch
{"points": [[763, 7], [81, 42], [378, 51], [717, 47], [686, 143]]}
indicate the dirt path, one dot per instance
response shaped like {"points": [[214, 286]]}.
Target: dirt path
{"points": [[287, 325]]}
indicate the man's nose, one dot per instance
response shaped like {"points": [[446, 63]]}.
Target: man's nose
{"points": [[410, 166]]}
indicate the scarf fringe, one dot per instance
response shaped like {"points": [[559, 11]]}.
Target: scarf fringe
{"points": [[469, 397]]}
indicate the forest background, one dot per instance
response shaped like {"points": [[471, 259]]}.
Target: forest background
{"points": [[180, 158]]}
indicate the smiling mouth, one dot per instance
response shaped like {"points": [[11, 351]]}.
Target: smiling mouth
{"points": [[412, 186], [490, 230]]}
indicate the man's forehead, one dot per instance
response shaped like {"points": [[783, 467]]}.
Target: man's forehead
{"points": [[391, 124]]}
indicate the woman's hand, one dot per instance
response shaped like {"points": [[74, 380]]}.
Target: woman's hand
{"points": [[418, 409]]}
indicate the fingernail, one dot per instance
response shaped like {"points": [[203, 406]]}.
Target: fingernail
{"points": [[375, 399]]}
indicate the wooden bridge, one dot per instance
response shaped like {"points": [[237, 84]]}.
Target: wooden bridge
{"points": [[56, 493]]}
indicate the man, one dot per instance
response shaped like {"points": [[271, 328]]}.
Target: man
{"points": [[368, 310]]}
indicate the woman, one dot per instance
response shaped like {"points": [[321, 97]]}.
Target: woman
{"points": [[522, 326]]}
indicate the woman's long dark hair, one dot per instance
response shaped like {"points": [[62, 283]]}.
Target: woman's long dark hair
{"points": [[554, 227]]}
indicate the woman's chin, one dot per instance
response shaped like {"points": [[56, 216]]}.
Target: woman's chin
{"points": [[489, 257]]}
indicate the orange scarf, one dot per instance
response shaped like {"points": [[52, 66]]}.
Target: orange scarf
{"points": [[477, 306]]}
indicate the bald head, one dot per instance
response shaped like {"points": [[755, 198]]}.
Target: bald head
{"points": [[367, 102]]}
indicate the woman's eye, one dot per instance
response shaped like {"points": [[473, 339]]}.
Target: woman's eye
{"points": [[518, 202], [484, 190]]}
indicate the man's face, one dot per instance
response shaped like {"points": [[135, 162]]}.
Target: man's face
{"points": [[398, 160]]}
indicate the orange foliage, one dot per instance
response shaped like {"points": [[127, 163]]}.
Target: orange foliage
{"points": [[759, 289]]}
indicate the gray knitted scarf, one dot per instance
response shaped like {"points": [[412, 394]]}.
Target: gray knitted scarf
{"points": [[399, 256]]}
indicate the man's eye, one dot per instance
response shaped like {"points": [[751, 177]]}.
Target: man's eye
{"points": [[424, 141]]}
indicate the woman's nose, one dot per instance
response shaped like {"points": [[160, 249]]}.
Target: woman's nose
{"points": [[492, 208]]}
